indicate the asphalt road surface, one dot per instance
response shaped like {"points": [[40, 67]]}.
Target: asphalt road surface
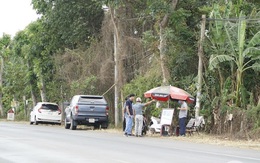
{"points": [[24, 143]]}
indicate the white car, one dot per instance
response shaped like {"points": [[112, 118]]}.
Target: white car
{"points": [[45, 112]]}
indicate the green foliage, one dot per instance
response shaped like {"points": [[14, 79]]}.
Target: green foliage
{"points": [[15, 77], [216, 60], [139, 86], [158, 8], [70, 23], [149, 39], [254, 115], [237, 49], [63, 49], [5, 41], [187, 83], [152, 111], [20, 116], [86, 86]]}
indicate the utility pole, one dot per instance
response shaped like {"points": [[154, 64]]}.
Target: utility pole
{"points": [[200, 66], [109, 9], [116, 80], [116, 59]]}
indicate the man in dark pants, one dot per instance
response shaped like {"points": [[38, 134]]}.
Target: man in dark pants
{"points": [[129, 115], [182, 117]]}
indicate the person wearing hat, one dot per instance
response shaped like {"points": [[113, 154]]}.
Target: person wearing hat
{"points": [[138, 112], [182, 116], [129, 114]]}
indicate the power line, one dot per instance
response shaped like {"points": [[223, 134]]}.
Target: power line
{"points": [[233, 19], [136, 18]]}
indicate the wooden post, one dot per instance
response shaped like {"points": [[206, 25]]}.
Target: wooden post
{"points": [[200, 66]]}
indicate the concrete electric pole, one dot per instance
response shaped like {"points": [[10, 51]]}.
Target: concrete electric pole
{"points": [[200, 66]]}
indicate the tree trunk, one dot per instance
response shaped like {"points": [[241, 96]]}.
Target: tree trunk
{"points": [[162, 47], [33, 95], [162, 57], [32, 83], [1, 86], [238, 87], [217, 120], [43, 90]]}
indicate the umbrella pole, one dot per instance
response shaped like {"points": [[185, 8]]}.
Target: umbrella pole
{"points": [[168, 101]]}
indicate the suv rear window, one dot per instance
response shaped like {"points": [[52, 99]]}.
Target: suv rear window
{"points": [[95, 99], [50, 107]]}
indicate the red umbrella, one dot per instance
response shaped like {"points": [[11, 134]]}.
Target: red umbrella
{"points": [[164, 93]]}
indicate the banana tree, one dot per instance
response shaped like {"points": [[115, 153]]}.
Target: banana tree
{"points": [[242, 54], [217, 39]]}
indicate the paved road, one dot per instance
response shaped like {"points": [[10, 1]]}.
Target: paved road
{"points": [[24, 143]]}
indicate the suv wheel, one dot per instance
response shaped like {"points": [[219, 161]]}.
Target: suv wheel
{"points": [[67, 126], [73, 124], [96, 126], [104, 125]]}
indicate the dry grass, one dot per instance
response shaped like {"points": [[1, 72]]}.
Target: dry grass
{"points": [[221, 140], [203, 138]]}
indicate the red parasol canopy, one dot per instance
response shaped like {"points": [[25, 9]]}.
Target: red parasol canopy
{"points": [[164, 93]]}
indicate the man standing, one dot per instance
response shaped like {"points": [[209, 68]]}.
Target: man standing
{"points": [[182, 116], [129, 114], [138, 112]]}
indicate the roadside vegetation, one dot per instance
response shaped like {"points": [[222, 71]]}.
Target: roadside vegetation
{"points": [[71, 49]]}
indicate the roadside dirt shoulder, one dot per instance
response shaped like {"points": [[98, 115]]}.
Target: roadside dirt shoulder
{"points": [[222, 141], [203, 138]]}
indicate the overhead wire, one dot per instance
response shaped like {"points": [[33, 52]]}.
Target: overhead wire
{"points": [[233, 19]]}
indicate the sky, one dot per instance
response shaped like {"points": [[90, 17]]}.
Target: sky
{"points": [[15, 15]]}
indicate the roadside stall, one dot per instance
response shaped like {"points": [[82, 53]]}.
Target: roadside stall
{"points": [[165, 94]]}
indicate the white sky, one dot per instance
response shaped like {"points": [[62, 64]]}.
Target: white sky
{"points": [[15, 15]]}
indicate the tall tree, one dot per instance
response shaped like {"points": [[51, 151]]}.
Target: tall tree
{"points": [[162, 47], [21, 49], [70, 23], [5, 41], [162, 11], [33, 45], [40, 52]]}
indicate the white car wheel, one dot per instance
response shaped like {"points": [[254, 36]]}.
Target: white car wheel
{"points": [[35, 121]]}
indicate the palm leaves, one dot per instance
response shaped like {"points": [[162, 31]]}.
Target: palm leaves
{"points": [[239, 53]]}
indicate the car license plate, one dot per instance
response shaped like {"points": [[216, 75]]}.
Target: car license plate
{"points": [[91, 120]]}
